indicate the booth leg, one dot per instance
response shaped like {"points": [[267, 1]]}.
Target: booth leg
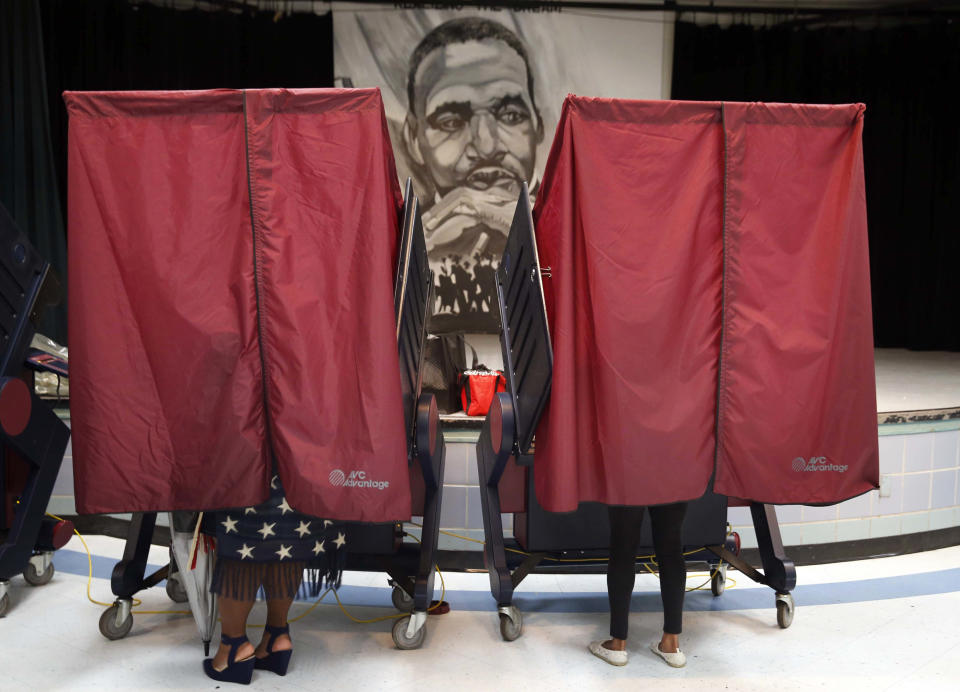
{"points": [[431, 453], [778, 569], [494, 550], [494, 449], [779, 572], [129, 578], [416, 593], [128, 574]]}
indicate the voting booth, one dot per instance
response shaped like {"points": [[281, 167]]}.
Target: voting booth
{"points": [[690, 321], [266, 285]]}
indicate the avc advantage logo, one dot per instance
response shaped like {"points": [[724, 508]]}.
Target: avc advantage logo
{"points": [[801, 465], [355, 479]]}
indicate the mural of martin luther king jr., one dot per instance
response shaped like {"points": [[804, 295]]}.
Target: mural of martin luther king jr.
{"points": [[472, 127]]}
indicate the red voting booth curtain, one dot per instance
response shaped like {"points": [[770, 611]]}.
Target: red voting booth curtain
{"points": [[231, 278], [709, 304]]}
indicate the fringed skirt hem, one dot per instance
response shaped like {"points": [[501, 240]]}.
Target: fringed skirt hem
{"points": [[242, 580]]}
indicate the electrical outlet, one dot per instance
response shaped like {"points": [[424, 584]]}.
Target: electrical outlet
{"points": [[884, 486]]}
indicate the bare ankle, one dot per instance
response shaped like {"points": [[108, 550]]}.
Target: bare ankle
{"points": [[281, 642], [669, 643]]}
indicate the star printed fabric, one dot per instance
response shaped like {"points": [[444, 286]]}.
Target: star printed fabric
{"points": [[274, 532]]}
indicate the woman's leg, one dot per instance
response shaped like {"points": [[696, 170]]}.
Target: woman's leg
{"points": [[280, 584], [233, 620], [625, 526], [277, 611], [667, 524]]}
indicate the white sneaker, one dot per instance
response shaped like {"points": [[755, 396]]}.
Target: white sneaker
{"points": [[676, 659], [614, 658]]}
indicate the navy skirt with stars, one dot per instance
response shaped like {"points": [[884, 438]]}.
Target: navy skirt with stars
{"points": [[274, 547]]}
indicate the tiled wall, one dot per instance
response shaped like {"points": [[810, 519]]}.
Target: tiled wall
{"points": [[920, 482], [919, 468], [61, 501], [460, 511]]}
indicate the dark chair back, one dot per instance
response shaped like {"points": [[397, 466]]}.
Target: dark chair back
{"points": [[524, 335], [412, 296]]}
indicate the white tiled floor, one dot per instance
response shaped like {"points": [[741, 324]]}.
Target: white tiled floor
{"points": [[866, 636]]}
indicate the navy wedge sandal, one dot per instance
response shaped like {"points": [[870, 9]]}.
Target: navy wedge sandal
{"points": [[276, 661], [236, 671]]}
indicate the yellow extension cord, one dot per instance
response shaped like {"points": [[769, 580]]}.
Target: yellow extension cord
{"points": [[137, 602], [443, 587]]}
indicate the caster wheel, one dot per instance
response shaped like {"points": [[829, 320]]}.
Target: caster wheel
{"points": [[109, 627], [400, 635], [175, 589], [510, 629], [35, 578], [402, 601], [717, 583], [4, 604], [784, 610]]}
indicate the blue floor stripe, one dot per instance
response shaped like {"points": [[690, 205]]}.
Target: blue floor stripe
{"points": [[75, 562], [876, 589]]}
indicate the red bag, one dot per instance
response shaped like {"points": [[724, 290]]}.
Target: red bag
{"points": [[477, 389]]}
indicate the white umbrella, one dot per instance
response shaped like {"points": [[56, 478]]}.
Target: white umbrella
{"points": [[194, 553]]}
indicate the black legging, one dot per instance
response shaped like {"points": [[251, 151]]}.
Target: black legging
{"points": [[625, 526]]}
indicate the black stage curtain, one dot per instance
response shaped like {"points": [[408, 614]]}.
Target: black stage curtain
{"points": [[907, 75], [52, 46], [28, 178]]}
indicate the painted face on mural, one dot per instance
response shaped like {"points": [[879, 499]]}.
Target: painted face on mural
{"points": [[475, 122]]}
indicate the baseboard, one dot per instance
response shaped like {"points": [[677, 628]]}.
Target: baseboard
{"points": [[864, 549]]}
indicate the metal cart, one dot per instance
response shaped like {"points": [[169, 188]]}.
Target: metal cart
{"points": [[32, 438]]}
